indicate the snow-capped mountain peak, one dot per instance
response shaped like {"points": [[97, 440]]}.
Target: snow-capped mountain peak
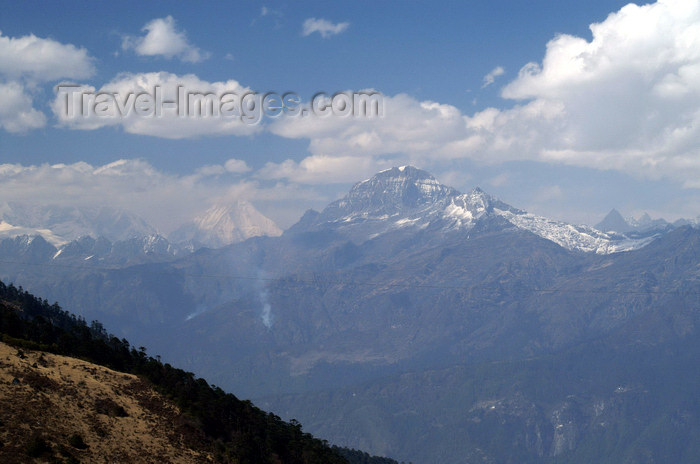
{"points": [[405, 196], [224, 224], [398, 190]]}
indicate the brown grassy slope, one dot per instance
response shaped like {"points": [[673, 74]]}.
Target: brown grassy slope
{"points": [[118, 416]]}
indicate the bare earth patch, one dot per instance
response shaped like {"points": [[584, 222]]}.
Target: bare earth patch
{"points": [[60, 409]]}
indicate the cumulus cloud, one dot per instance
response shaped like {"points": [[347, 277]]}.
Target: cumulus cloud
{"points": [[165, 200], [17, 113], [118, 107], [408, 128], [43, 60], [320, 169], [163, 39], [237, 166], [490, 78], [627, 99], [323, 26], [26, 61]]}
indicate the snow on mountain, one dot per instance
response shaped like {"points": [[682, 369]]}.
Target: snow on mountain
{"points": [[409, 197], [389, 192], [645, 223], [61, 224], [66, 226], [466, 209], [574, 237], [223, 225], [11, 231], [614, 222]]}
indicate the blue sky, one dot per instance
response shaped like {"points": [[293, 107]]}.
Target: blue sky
{"points": [[601, 119]]}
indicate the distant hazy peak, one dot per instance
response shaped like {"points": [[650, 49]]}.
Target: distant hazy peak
{"points": [[224, 224], [614, 222]]}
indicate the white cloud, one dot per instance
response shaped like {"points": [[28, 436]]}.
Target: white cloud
{"points": [[232, 166], [26, 61], [16, 111], [163, 39], [490, 78], [628, 100], [456, 178], [409, 128], [323, 26], [43, 59], [210, 170], [169, 124], [165, 200], [236, 166], [320, 169]]}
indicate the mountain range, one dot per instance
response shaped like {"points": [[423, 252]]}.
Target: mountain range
{"points": [[442, 326], [614, 222], [114, 236], [407, 197]]}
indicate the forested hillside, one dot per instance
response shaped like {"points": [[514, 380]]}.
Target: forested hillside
{"points": [[213, 421]]}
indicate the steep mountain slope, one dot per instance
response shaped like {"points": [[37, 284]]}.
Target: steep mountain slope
{"points": [[597, 402], [163, 410], [88, 413]]}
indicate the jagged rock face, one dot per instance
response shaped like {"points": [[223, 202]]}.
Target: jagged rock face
{"points": [[399, 190]]}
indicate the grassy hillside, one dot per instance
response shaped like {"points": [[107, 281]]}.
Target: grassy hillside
{"points": [[62, 409], [149, 407]]}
